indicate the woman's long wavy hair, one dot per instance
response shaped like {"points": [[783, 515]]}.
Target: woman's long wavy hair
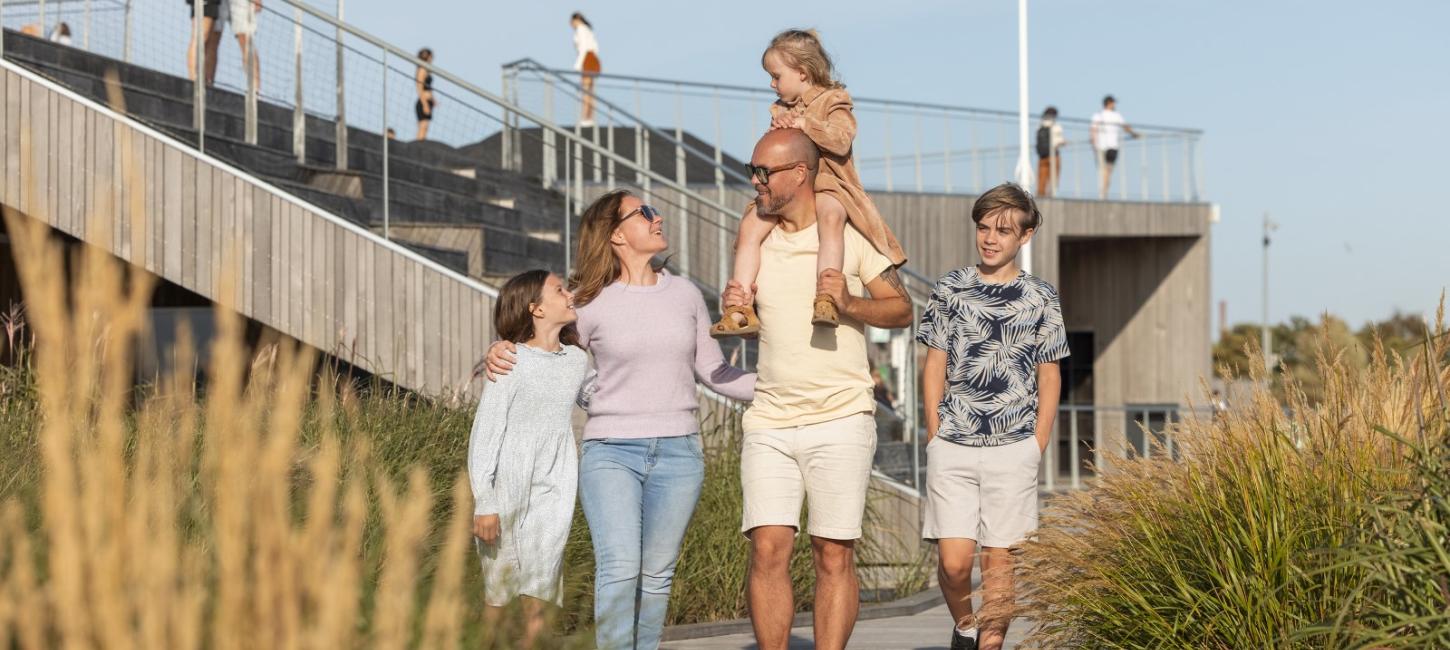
{"points": [[597, 265]]}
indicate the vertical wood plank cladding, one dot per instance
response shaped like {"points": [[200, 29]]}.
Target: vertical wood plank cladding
{"points": [[416, 330], [52, 160], [11, 139], [346, 283], [63, 158], [186, 248], [384, 332], [448, 354], [296, 272], [260, 260]]}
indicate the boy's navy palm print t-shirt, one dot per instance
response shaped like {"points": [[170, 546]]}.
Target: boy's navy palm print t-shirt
{"points": [[995, 335]]}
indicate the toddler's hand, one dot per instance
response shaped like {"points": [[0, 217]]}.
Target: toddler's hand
{"points": [[783, 121], [485, 528]]}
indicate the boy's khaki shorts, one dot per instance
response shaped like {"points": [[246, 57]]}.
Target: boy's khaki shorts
{"points": [[828, 465], [986, 494]]}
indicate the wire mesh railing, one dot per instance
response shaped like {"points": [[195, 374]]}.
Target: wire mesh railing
{"points": [[900, 145]]}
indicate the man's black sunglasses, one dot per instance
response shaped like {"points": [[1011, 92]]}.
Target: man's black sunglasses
{"points": [[762, 174]]}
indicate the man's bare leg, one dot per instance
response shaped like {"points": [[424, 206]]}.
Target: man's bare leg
{"points": [[838, 592], [997, 597], [954, 572], [768, 588]]}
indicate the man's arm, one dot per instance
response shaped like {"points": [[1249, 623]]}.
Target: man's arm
{"points": [[889, 306], [1130, 130], [1049, 393], [933, 388]]}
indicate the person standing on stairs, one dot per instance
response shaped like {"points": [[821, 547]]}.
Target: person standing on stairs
{"points": [[211, 28], [586, 62], [242, 15], [423, 109]]}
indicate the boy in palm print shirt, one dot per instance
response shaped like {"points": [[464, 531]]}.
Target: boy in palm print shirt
{"points": [[991, 384]]}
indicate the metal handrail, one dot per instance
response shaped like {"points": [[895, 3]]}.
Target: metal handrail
{"points": [[529, 63], [503, 103], [532, 66]]}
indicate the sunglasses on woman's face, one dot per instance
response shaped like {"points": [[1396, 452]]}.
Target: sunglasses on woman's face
{"points": [[650, 214], [762, 174]]}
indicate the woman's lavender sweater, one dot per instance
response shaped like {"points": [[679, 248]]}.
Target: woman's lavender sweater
{"points": [[650, 345]]}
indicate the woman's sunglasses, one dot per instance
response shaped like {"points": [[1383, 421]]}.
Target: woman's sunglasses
{"points": [[650, 214]]}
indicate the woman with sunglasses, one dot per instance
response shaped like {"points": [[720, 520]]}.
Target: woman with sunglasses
{"points": [[642, 462]]}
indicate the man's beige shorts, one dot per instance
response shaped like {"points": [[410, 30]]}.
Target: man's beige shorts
{"points": [[828, 465], [986, 494]]}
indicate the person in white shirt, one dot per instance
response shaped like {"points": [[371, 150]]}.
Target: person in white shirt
{"points": [[586, 63], [1107, 130]]}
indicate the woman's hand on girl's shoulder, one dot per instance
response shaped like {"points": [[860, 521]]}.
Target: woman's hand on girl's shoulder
{"points": [[498, 362]]}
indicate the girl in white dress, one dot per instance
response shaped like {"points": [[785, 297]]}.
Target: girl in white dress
{"points": [[522, 462]]}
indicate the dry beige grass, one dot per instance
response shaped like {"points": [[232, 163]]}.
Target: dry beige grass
{"points": [[154, 536]]}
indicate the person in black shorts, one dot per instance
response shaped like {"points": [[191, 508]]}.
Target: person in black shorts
{"points": [[210, 11], [423, 109]]}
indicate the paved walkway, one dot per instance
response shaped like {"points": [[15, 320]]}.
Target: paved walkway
{"points": [[929, 630]]}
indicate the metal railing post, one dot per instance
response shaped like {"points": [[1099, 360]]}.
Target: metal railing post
{"points": [[916, 145], [946, 156], [550, 152], [198, 91], [889, 184], [609, 143], [976, 158], [685, 243], [1073, 453], [299, 115], [387, 176], [43, 31], [506, 135], [1163, 163], [1186, 145], [341, 96], [86, 27], [126, 34], [568, 237], [250, 111], [2, 28], [721, 254], [1143, 170]]}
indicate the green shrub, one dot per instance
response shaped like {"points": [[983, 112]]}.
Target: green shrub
{"points": [[1239, 543]]}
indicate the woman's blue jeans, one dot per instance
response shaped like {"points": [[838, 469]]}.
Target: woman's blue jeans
{"points": [[638, 495]]}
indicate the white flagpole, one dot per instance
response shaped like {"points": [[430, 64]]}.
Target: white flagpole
{"points": [[1024, 162]]}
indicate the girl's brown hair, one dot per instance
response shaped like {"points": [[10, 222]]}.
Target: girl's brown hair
{"points": [[513, 312], [801, 49], [597, 266]]}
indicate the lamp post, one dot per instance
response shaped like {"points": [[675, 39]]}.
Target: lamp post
{"points": [[1264, 343], [1024, 162]]}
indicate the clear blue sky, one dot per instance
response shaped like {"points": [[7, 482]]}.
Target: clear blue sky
{"points": [[1330, 115]]}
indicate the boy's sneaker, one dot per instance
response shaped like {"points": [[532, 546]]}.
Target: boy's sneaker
{"points": [[963, 642]]}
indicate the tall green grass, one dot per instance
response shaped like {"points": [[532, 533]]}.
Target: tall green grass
{"points": [[1242, 543]]}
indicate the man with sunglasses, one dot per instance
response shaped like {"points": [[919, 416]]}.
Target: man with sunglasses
{"points": [[809, 433]]}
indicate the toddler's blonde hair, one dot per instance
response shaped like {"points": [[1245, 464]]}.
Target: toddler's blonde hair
{"points": [[801, 49]]}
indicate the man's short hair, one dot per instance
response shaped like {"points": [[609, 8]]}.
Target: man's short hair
{"points": [[1108, 100], [1008, 196]]}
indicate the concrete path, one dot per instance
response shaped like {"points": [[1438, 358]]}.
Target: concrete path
{"points": [[929, 630]]}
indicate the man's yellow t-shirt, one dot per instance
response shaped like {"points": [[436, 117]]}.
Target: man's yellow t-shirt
{"points": [[809, 374]]}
